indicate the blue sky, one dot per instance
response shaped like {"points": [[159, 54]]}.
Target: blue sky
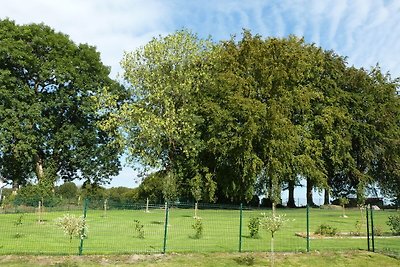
{"points": [[366, 31]]}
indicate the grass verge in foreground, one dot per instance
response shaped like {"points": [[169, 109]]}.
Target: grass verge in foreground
{"points": [[326, 259]]}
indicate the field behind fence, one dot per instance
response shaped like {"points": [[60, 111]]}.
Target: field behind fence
{"points": [[179, 228]]}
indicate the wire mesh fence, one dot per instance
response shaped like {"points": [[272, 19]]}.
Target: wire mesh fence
{"points": [[141, 228]]}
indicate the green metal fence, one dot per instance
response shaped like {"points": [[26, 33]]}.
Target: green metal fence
{"points": [[142, 228]]}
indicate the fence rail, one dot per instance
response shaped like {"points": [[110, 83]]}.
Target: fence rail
{"points": [[142, 228]]}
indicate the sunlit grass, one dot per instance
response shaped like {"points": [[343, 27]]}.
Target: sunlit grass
{"points": [[113, 232]]}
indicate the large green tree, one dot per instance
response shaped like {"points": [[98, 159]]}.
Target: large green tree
{"points": [[48, 115], [159, 122]]}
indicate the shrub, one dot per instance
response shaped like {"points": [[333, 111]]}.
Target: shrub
{"points": [[139, 229], [198, 228], [378, 231], [326, 229], [254, 227], [358, 227], [73, 226], [394, 224], [18, 224]]}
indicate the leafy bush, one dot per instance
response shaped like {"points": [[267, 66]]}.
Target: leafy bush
{"points": [[326, 229], [378, 231], [18, 224], [394, 224], [273, 223], [358, 226], [30, 195], [198, 228], [254, 227], [73, 226], [139, 229]]}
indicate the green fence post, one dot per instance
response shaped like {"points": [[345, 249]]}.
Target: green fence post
{"points": [[372, 230], [308, 228], [366, 214], [240, 227], [83, 229], [165, 228]]}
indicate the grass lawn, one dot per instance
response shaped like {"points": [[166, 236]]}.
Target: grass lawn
{"points": [[113, 232], [326, 259]]}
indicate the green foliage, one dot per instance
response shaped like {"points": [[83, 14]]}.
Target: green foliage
{"points": [[378, 231], [49, 118], [67, 190], [198, 228], [121, 196], [152, 188], [72, 226], [236, 117], [18, 224], [170, 187], [358, 226], [394, 224], [273, 223], [254, 227], [343, 201], [139, 229], [30, 195], [326, 230]]}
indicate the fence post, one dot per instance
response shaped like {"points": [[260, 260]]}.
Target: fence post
{"points": [[240, 227], [372, 230], [308, 228], [165, 228], [366, 214], [83, 229]]}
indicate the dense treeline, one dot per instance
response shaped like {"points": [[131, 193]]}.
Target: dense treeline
{"points": [[213, 122], [223, 121]]}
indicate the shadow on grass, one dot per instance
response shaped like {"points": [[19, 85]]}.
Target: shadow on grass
{"points": [[157, 222]]}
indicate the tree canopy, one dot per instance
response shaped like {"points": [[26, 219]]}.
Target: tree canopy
{"points": [[48, 114], [231, 118]]}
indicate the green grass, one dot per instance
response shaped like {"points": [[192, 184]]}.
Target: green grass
{"points": [[326, 259], [113, 232]]}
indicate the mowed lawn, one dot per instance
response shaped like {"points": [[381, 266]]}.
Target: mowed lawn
{"points": [[113, 232]]}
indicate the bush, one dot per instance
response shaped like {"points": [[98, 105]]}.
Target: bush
{"points": [[327, 230], [394, 224], [198, 228], [30, 195], [18, 224], [139, 229], [72, 226], [254, 227], [378, 231], [358, 226]]}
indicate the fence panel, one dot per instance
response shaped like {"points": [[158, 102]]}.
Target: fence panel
{"points": [[32, 232], [140, 229], [128, 229], [384, 238], [219, 228], [285, 239], [337, 229]]}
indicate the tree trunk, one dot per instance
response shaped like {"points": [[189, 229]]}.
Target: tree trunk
{"points": [[310, 201], [326, 196], [39, 167], [15, 187], [291, 202]]}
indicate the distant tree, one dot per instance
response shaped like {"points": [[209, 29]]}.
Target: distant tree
{"points": [[48, 115], [120, 196], [152, 188], [67, 190]]}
